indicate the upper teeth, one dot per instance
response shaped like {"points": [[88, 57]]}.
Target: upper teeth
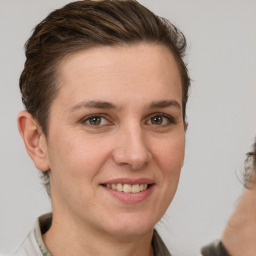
{"points": [[127, 188]]}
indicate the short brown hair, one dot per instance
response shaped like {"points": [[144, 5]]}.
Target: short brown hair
{"points": [[84, 24], [250, 167]]}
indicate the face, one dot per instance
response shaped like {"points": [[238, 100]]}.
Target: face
{"points": [[115, 143]]}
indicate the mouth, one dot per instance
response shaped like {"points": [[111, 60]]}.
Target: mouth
{"points": [[129, 191], [128, 188]]}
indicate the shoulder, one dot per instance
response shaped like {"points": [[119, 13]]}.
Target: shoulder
{"points": [[215, 249]]}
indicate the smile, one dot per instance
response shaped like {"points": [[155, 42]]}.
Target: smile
{"points": [[127, 188]]}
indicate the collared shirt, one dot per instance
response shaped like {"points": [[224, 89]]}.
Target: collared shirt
{"points": [[34, 245], [215, 249]]}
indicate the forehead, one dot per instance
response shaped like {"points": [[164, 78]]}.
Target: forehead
{"points": [[116, 69]]}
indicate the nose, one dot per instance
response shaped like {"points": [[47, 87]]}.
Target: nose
{"points": [[131, 149]]}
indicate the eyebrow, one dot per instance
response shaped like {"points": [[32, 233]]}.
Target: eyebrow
{"points": [[93, 104], [108, 105], [165, 104]]}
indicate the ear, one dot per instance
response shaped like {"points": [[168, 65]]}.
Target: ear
{"points": [[34, 140]]}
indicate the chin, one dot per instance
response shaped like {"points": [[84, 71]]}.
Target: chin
{"points": [[132, 227], [132, 232]]}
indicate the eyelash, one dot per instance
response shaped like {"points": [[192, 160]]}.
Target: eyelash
{"points": [[171, 120], [87, 119]]}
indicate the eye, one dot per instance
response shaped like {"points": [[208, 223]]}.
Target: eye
{"points": [[160, 120], [157, 120], [95, 120]]}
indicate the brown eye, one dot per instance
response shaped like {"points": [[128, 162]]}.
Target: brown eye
{"points": [[96, 120], [160, 120], [157, 120]]}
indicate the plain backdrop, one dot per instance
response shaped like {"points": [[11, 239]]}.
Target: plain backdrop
{"points": [[221, 59]]}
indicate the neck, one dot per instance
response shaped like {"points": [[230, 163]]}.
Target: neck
{"points": [[85, 241]]}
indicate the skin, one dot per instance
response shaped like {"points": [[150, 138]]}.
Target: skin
{"points": [[139, 134], [239, 235]]}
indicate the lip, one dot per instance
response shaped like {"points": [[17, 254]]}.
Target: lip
{"points": [[130, 198]]}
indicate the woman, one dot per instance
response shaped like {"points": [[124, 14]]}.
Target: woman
{"points": [[239, 235], [105, 90]]}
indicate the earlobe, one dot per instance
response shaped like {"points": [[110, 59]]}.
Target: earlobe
{"points": [[34, 140]]}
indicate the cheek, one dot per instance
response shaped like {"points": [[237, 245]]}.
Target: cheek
{"points": [[74, 164], [170, 155], [77, 157]]}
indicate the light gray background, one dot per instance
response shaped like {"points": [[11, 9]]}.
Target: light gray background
{"points": [[221, 38]]}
